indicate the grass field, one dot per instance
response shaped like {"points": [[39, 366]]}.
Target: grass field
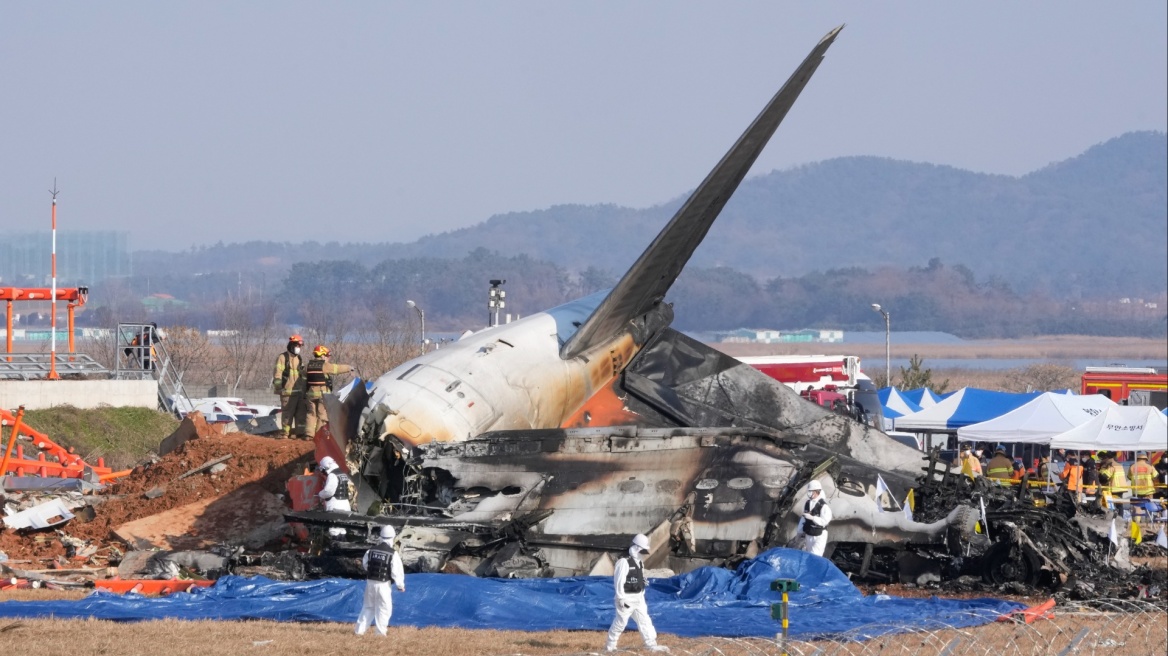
{"points": [[123, 436]]}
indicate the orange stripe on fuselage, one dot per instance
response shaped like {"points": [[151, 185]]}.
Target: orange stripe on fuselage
{"points": [[605, 408]]}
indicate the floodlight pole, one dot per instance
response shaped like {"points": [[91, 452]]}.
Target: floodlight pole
{"points": [[887, 344], [53, 375], [422, 318]]}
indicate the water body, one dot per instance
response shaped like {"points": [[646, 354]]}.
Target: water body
{"points": [[1011, 363]]}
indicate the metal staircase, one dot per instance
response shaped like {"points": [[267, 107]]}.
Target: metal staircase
{"points": [[140, 354]]}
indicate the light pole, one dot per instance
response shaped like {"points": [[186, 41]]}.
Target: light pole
{"points": [[496, 300], [422, 316], [887, 344]]}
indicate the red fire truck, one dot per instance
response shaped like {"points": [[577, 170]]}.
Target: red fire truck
{"points": [[1117, 383], [832, 381]]}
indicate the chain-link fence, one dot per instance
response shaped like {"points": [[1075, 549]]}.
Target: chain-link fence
{"points": [[1111, 627]]}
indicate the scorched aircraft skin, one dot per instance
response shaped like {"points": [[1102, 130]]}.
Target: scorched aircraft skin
{"points": [[540, 446]]}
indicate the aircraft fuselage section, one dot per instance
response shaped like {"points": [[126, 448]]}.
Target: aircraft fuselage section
{"points": [[507, 377]]}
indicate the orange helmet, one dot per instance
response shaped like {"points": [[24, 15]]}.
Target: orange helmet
{"points": [[321, 351], [296, 338]]}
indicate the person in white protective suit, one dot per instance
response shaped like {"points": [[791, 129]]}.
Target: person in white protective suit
{"points": [[383, 566], [629, 581], [335, 493], [816, 516]]}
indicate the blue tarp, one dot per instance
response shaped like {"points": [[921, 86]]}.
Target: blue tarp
{"points": [[966, 406], [709, 601]]}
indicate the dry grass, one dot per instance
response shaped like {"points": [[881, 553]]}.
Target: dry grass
{"points": [[1134, 634]]}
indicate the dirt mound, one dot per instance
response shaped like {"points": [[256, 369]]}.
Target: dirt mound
{"points": [[264, 461], [268, 462]]}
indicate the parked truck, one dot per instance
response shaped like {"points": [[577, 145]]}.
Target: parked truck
{"points": [[1118, 383], [835, 382]]}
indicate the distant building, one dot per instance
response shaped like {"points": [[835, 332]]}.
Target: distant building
{"points": [[84, 257], [157, 303], [757, 336]]}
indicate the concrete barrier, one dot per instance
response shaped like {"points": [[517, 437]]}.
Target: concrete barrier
{"points": [[38, 394]]}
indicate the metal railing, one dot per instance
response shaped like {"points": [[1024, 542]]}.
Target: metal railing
{"points": [[139, 354], [36, 366]]}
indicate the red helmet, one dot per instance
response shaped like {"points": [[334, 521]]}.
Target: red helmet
{"points": [[296, 338], [321, 351]]}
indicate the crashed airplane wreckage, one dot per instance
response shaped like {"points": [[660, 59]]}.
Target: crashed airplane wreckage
{"points": [[539, 447]]}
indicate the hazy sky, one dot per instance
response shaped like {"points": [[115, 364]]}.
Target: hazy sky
{"points": [[194, 122]]}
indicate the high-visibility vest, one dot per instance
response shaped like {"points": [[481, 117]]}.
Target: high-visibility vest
{"points": [[1143, 477], [970, 466], [1073, 476], [1116, 478]]}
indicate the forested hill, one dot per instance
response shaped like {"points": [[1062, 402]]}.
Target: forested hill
{"points": [[1094, 225]]}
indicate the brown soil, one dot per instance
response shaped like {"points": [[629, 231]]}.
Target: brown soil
{"points": [[265, 461]]}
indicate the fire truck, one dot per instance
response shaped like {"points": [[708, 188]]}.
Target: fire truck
{"points": [[832, 381], [1118, 383]]}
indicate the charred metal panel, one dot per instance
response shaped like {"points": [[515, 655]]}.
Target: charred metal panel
{"points": [[685, 382]]}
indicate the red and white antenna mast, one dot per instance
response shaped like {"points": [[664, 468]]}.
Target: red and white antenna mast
{"points": [[53, 375]]}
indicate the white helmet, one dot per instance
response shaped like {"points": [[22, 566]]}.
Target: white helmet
{"points": [[641, 542], [387, 532], [328, 464], [814, 486]]}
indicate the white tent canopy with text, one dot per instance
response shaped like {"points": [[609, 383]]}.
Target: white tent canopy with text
{"points": [[1039, 420], [1122, 428]]}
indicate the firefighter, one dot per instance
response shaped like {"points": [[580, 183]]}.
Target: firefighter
{"points": [[318, 379], [628, 580], [286, 383], [1143, 476], [1161, 465], [970, 465], [336, 492], [383, 566], [1000, 466], [814, 520], [1112, 475]]}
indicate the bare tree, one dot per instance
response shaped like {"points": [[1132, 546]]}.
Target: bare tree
{"points": [[386, 340], [249, 329], [1043, 377]]}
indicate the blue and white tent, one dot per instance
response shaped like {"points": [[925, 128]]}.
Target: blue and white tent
{"points": [[895, 404], [966, 406], [922, 396]]}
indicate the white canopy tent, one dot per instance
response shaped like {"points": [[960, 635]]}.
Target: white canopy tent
{"points": [[1121, 428], [1039, 420]]}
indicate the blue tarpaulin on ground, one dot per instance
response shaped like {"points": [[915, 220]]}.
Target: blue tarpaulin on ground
{"points": [[709, 601]]}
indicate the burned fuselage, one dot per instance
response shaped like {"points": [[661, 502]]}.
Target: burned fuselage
{"points": [[542, 444], [540, 447]]}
